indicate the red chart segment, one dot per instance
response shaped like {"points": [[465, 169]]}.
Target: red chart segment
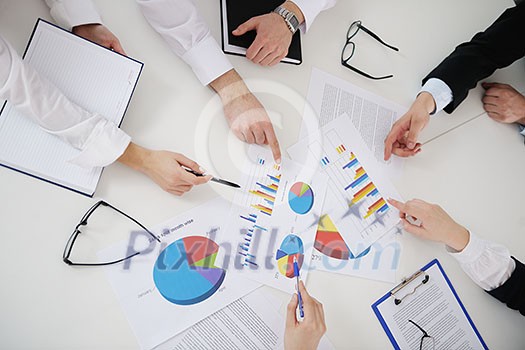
{"points": [[329, 241], [200, 251]]}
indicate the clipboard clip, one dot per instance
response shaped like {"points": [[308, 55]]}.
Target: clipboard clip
{"points": [[405, 282]]}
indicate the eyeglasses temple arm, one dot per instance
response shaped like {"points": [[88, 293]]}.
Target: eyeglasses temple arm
{"points": [[375, 36]]}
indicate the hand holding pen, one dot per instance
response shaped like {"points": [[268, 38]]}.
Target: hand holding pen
{"points": [[297, 276], [307, 334], [213, 178]]}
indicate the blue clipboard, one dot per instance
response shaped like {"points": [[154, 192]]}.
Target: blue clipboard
{"points": [[391, 293]]}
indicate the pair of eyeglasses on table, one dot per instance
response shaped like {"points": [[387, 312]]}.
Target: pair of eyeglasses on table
{"points": [[349, 49], [83, 222]]}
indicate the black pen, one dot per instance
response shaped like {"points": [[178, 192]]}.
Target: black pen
{"points": [[214, 179]]}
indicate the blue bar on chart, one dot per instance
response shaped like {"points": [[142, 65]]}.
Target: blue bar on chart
{"points": [[325, 161], [250, 219]]}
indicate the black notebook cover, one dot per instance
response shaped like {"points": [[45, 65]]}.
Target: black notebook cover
{"points": [[236, 12]]}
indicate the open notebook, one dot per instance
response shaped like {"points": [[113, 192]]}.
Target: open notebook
{"points": [[94, 77]]}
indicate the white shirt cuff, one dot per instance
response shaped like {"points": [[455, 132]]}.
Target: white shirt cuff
{"points": [[207, 60], [488, 264], [440, 91], [72, 13], [104, 146], [310, 10]]}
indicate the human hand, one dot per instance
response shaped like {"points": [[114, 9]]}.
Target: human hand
{"points": [[436, 224], [304, 335], [164, 168], [402, 139], [503, 103], [272, 41], [273, 36], [245, 114], [99, 34], [250, 123]]}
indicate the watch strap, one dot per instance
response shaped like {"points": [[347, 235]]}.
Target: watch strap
{"points": [[289, 18]]}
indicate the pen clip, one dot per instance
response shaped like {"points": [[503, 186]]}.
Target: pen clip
{"points": [[405, 282]]}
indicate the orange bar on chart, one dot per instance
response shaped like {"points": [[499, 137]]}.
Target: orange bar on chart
{"points": [[375, 207], [363, 192]]}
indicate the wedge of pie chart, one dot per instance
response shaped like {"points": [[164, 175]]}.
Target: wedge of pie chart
{"points": [[329, 241], [291, 247], [185, 272], [301, 198]]}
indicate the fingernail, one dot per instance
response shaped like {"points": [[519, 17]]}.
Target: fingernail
{"points": [[411, 145], [202, 170]]}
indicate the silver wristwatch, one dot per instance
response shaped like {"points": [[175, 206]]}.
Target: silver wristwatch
{"points": [[289, 18]]}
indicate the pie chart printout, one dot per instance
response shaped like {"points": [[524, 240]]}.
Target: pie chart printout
{"points": [[329, 241], [185, 272], [301, 198], [292, 246]]}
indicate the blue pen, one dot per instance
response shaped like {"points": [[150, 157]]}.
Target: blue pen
{"points": [[296, 273]]}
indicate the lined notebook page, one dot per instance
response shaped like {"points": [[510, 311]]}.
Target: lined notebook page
{"points": [[93, 77]]}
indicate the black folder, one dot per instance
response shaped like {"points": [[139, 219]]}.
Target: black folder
{"points": [[236, 12]]}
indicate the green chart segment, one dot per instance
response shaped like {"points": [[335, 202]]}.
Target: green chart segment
{"points": [[185, 272], [301, 198]]}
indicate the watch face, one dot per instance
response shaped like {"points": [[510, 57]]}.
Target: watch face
{"points": [[294, 22]]}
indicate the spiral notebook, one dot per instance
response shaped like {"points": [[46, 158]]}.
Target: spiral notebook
{"points": [[92, 76]]}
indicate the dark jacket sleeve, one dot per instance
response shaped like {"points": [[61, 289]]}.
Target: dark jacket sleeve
{"points": [[512, 292], [498, 46]]}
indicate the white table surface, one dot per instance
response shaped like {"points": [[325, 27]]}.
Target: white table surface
{"points": [[474, 171]]}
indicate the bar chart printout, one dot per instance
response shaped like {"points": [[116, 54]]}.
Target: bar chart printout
{"points": [[357, 191], [279, 201]]}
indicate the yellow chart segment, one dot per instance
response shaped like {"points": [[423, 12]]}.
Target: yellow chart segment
{"points": [[326, 224], [282, 264]]}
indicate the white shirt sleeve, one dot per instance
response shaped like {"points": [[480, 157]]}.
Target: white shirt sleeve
{"points": [[310, 10], [440, 91], [100, 141], [72, 13], [180, 24], [487, 263]]}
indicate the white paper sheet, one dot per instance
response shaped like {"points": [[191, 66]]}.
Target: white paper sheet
{"points": [[274, 218], [357, 188], [252, 322], [373, 116], [173, 285]]}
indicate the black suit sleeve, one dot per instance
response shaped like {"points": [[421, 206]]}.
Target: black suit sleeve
{"points": [[512, 292], [498, 46]]}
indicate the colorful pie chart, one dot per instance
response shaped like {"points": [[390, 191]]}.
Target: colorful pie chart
{"points": [[185, 272], [329, 241], [291, 247], [301, 198]]}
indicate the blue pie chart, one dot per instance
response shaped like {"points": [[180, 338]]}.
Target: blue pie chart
{"points": [[184, 272], [301, 198]]}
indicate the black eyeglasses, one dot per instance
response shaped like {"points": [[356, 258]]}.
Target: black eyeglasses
{"points": [[349, 49], [83, 222], [427, 342]]}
